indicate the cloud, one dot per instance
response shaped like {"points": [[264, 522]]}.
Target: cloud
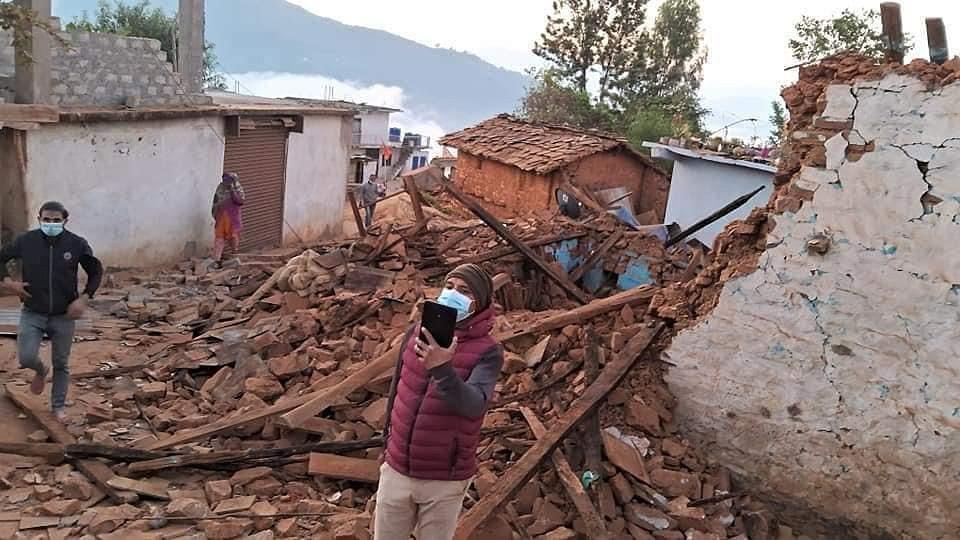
{"points": [[278, 85]]}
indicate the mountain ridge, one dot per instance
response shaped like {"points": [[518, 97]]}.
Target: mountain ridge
{"points": [[452, 88]]}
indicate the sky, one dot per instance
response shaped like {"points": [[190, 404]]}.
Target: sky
{"points": [[746, 39]]}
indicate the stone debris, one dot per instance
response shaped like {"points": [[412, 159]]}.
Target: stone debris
{"points": [[218, 348]]}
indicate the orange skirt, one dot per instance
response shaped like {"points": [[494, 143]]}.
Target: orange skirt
{"points": [[224, 229]]}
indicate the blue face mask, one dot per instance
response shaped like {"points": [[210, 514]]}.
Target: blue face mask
{"points": [[51, 229], [455, 299]]}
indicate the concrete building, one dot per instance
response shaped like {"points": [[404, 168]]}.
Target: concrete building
{"points": [[704, 181], [519, 165], [139, 183], [376, 148], [136, 156]]}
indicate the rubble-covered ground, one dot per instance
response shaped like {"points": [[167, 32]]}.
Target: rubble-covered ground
{"points": [[191, 418]]}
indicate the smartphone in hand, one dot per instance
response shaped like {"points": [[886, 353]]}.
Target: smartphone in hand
{"points": [[440, 321]]}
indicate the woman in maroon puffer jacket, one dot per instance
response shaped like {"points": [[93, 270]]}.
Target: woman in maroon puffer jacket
{"points": [[434, 415]]}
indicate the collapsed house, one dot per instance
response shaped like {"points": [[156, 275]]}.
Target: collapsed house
{"points": [[255, 404], [519, 165]]}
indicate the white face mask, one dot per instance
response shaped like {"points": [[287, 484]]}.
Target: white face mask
{"points": [[455, 299]]}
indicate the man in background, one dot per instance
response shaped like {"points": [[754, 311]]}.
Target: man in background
{"points": [[49, 257], [227, 214], [370, 193]]}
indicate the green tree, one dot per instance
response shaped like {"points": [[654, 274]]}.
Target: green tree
{"points": [[21, 22], [141, 19], [643, 77], [649, 124], [592, 37], [857, 31], [778, 117], [549, 101], [668, 74]]}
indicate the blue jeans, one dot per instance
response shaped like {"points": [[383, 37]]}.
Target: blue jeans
{"points": [[368, 222], [59, 328]]}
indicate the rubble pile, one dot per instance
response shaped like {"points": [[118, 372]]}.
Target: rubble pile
{"points": [[255, 405]]}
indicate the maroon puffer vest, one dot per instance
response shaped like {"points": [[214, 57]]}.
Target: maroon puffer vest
{"points": [[427, 440]]}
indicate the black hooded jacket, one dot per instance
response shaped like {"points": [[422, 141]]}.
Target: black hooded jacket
{"points": [[49, 268]]}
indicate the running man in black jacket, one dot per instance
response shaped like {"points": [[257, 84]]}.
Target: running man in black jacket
{"points": [[49, 259]]}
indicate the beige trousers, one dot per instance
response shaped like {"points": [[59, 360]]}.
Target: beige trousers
{"points": [[404, 504]]}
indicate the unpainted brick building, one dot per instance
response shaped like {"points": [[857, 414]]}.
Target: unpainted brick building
{"points": [[519, 165]]}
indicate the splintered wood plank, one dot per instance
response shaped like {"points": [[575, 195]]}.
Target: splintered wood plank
{"points": [[344, 468], [583, 313], [98, 472], [596, 527], [331, 396], [510, 483]]}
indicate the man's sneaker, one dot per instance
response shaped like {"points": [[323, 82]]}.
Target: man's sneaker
{"points": [[38, 383], [60, 415]]}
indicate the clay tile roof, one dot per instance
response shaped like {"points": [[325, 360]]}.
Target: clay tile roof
{"points": [[534, 147]]}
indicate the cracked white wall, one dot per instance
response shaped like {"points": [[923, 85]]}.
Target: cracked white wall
{"points": [[835, 380]]}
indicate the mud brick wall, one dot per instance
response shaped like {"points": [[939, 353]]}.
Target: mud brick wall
{"points": [[522, 192], [104, 70]]}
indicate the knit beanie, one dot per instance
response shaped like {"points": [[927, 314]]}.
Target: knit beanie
{"points": [[479, 282]]}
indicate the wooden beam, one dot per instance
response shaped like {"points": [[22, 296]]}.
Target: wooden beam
{"points": [[594, 523], [583, 313], [892, 31], [937, 40], [591, 426], [41, 114], [243, 456], [356, 212], [227, 424], [516, 476], [583, 196], [504, 252], [411, 186], [335, 394], [97, 471], [52, 452], [559, 277], [344, 468], [594, 257]]}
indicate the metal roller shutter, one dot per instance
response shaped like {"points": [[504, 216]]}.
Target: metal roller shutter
{"points": [[259, 156]]}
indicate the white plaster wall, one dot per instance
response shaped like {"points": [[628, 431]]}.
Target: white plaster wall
{"points": [[138, 191], [699, 188], [834, 380], [318, 165], [374, 128]]}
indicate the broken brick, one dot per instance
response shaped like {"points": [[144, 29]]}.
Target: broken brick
{"points": [[263, 388], [217, 491], [643, 417], [676, 483], [288, 366], [227, 528]]}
